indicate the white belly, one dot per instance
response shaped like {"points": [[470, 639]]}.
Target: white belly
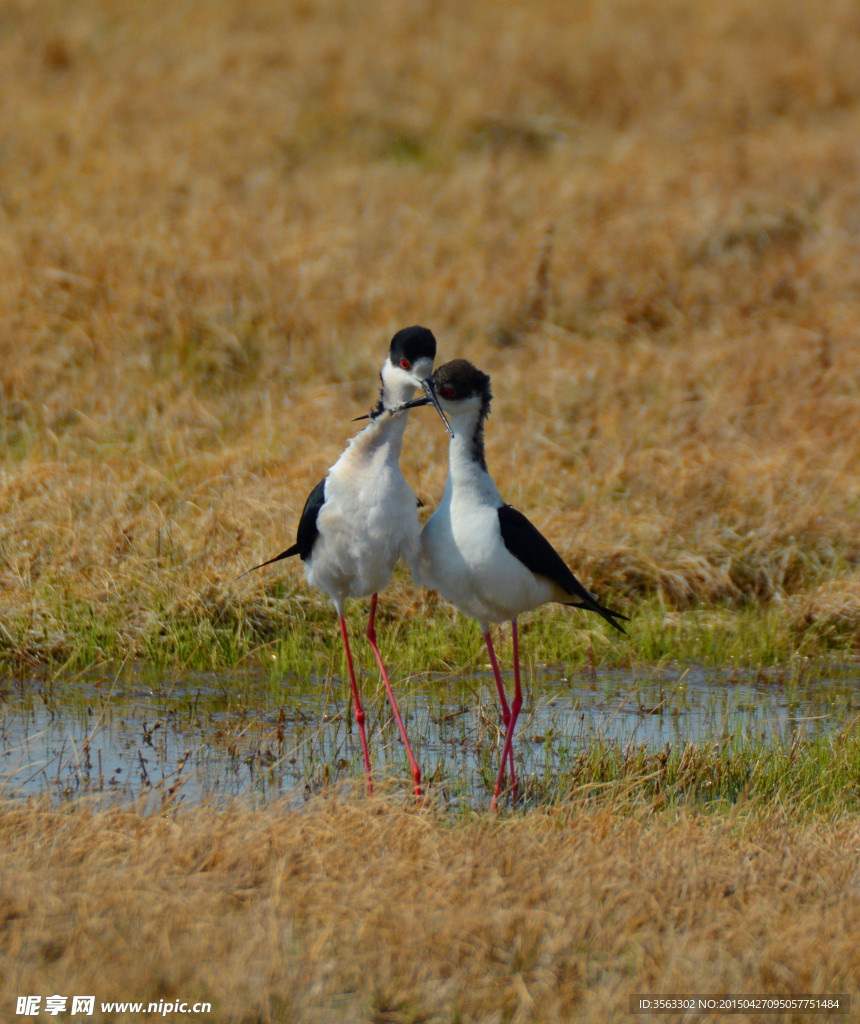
{"points": [[368, 521], [463, 557]]}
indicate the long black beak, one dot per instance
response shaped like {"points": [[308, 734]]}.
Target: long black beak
{"points": [[429, 399], [412, 405], [430, 392]]}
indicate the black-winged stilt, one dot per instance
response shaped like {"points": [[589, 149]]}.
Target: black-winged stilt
{"points": [[363, 516], [480, 553]]}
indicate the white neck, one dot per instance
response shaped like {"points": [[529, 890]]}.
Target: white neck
{"points": [[467, 471], [385, 431]]}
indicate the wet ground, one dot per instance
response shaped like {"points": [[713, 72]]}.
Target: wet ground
{"points": [[208, 736]]}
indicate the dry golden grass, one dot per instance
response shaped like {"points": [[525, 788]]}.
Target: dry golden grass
{"points": [[641, 217], [364, 911]]}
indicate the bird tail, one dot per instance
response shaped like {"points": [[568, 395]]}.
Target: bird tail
{"points": [[293, 550], [605, 613]]}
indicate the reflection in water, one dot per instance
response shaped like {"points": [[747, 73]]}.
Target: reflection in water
{"points": [[213, 736]]}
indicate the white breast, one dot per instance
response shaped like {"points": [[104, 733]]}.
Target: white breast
{"points": [[463, 556], [368, 521]]}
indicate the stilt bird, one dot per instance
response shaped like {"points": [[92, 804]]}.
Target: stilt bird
{"points": [[363, 516], [480, 553]]}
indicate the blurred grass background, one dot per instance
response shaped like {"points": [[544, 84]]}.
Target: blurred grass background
{"points": [[643, 219]]}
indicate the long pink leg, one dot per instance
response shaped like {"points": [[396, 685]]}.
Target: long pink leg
{"points": [[371, 636], [359, 711], [516, 704], [503, 700]]}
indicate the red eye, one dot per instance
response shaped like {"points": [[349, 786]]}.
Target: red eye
{"points": [[447, 391], [405, 364]]}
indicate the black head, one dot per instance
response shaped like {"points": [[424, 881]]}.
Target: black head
{"points": [[409, 365], [464, 393], [459, 380], [410, 345]]}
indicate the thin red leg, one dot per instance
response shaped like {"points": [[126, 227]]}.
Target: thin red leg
{"points": [[516, 704], [503, 700], [359, 711], [371, 636]]}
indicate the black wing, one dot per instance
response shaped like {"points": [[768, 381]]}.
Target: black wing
{"points": [[307, 532], [528, 544]]}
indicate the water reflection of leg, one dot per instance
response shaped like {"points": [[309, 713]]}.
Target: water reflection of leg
{"points": [[371, 636], [506, 713], [359, 710]]}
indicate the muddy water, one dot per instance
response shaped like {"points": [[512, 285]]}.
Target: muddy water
{"points": [[208, 736]]}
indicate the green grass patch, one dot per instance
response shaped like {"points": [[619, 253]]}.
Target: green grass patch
{"points": [[290, 630], [819, 775]]}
